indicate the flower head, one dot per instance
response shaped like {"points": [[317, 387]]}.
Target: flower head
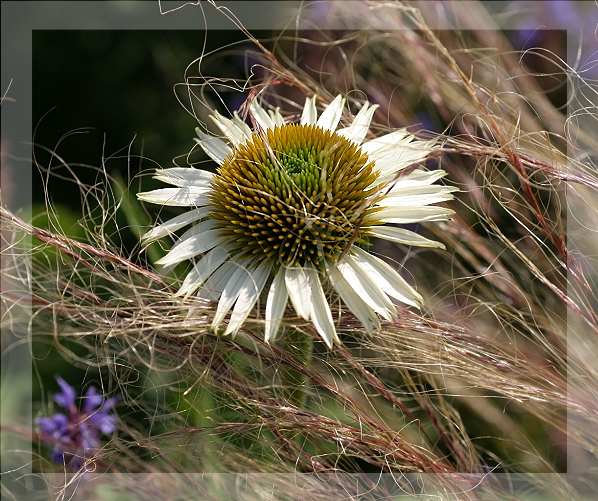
{"points": [[77, 433], [294, 205]]}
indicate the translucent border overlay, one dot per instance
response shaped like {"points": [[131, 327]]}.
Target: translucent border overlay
{"points": [[19, 19]]}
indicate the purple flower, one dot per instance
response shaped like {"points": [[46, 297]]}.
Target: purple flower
{"points": [[66, 399], [76, 434], [537, 21]]}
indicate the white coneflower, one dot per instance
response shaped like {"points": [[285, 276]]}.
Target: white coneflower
{"points": [[292, 205]]}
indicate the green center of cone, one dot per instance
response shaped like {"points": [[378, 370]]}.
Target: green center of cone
{"points": [[294, 197]]}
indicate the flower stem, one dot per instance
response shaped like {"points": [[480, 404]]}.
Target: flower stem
{"points": [[299, 345]]}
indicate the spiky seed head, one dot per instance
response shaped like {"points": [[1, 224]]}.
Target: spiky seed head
{"points": [[293, 196]]}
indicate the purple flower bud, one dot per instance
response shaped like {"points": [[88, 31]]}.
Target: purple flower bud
{"points": [[76, 435], [53, 425], [66, 399], [92, 400], [108, 425], [89, 437], [57, 454], [102, 419]]}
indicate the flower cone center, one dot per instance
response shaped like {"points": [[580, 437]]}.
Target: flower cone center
{"points": [[294, 196]]}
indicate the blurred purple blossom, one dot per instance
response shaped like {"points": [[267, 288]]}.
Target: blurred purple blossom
{"points": [[536, 22], [76, 434]]}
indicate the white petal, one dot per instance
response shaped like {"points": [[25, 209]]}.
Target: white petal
{"points": [[276, 117], [248, 296], [392, 140], [386, 277], [202, 270], [197, 240], [278, 298], [418, 200], [408, 215], [419, 195], [192, 196], [366, 288], [332, 114], [206, 225], [357, 131], [320, 310], [417, 178], [298, 289], [172, 225], [392, 161], [215, 148], [309, 116], [261, 116], [234, 132], [184, 176], [402, 236], [214, 286], [400, 190], [242, 126], [353, 301], [231, 291], [191, 247]]}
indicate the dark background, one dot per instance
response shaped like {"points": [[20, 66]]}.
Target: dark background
{"points": [[100, 95]]}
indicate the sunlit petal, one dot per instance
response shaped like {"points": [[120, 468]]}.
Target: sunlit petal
{"points": [[276, 117], [173, 224], [197, 240], [278, 298], [299, 291], [388, 142], [212, 289], [248, 297], [261, 116], [231, 292], [215, 148], [184, 176], [192, 196], [387, 278], [419, 196], [402, 236], [394, 161], [242, 126], [365, 287], [354, 302], [233, 132], [409, 215], [358, 129], [202, 270], [416, 178], [320, 314], [331, 116], [310, 113]]}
